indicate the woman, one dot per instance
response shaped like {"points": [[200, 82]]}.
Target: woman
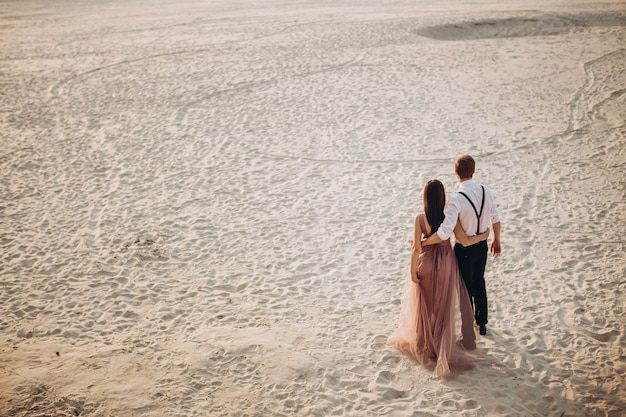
{"points": [[435, 293]]}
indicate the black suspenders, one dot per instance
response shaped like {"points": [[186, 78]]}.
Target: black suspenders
{"points": [[482, 205]]}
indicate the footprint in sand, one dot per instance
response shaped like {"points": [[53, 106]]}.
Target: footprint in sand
{"points": [[379, 342]]}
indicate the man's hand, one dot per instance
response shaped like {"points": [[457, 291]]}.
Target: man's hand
{"points": [[495, 248]]}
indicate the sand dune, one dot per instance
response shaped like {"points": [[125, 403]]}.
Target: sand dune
{"points": [[205, 207], [528, 24]]}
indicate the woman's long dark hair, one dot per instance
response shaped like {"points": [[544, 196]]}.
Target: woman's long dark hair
{"points": [[434, 201]]}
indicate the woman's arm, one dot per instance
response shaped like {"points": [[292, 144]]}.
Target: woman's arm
{"points": [[416, 248], [466, 240]]}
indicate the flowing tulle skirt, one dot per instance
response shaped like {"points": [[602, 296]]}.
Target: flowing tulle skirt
{"points": [[431, 330]]}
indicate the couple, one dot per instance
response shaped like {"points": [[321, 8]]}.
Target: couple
{"points": [[442, 284]]}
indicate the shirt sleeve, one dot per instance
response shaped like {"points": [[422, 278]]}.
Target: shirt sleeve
{"points": [[495, 214], [451, 211]]}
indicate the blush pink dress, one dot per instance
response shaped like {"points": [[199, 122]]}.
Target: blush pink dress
{"points": [[436, 319]]}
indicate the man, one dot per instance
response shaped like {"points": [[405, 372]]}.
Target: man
{"points": [[474, 206]]}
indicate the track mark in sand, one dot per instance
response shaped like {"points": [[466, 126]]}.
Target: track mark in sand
{"points": [[577, 112], [57, 89], [531, 143], [521, 26], [182, 112], [92, 228], [580, 115], [600, 336], [425, 159]]}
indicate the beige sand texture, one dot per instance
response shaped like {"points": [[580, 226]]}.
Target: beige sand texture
{"points": [[205, 205]]}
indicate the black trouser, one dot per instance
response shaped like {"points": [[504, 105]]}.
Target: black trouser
{"points": [[472, 261]]}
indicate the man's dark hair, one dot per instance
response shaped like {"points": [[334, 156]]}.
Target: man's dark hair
{"points": [[464, 166]]}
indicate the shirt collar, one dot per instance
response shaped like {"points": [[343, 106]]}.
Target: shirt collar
{"points": [[467, 184]]}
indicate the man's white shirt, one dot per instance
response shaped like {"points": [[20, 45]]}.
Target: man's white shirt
{"points": [[459, 208]]}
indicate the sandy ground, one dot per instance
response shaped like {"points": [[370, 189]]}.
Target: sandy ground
{"points": [[205, 206]]}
